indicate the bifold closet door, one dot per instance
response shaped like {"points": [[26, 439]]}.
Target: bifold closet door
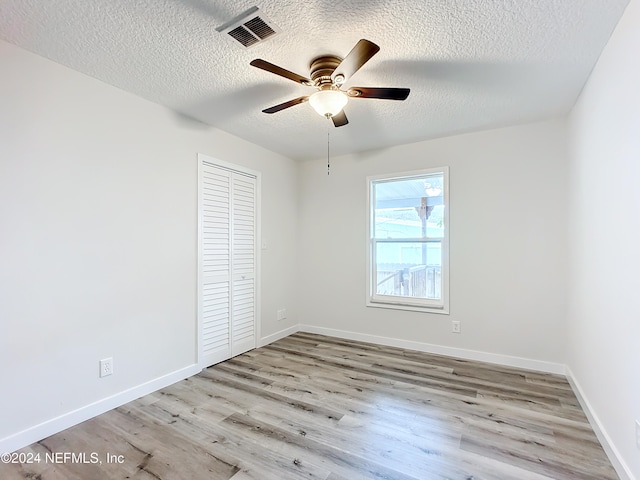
{"points": [[243, 261], [228, 263]]}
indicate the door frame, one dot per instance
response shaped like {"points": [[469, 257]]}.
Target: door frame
{"points": [[201, 159]]}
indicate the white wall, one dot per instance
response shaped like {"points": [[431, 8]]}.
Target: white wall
{"points": [[98, 224], [508, 244], [604, 314]]}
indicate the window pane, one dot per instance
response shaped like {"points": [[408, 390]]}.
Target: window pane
{"points": [[408, 269], [409, 208]]}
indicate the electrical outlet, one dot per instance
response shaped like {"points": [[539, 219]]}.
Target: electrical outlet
{"points": [[638, 433], [106, 367], [282, 314], [455, 326]]}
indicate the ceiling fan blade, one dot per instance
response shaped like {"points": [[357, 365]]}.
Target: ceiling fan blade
{"points": [[376, 92], [270, 67], [282, 106], [356, 58], [340, 119]]}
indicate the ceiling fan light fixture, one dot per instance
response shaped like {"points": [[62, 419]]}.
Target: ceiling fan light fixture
{"points": [[328, 102]]}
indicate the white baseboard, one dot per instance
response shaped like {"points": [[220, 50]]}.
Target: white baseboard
{"points": [[507, 360], [58, 424], [615, 458], [278, 335]]}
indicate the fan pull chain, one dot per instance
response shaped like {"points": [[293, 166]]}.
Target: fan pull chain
{"points": [[328, 161]]}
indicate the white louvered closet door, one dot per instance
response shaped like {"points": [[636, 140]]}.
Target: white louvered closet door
{"points": [[243, 232], [227, 263]]}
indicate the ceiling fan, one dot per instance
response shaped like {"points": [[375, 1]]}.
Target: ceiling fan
{"points": [[328, 73]]}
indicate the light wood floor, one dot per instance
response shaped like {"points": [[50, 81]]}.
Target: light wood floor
{"points": [[315, 407]]}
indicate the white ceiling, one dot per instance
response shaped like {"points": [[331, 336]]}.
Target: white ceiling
{"points": [[470, 64]]}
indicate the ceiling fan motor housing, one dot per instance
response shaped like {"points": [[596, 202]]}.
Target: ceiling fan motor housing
{"points": [[321, 70]]}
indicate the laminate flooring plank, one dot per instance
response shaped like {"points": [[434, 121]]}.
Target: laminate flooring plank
{"points": [[548, 380], [516, 391], [479, 369], [168, 453], [529, 438], [548, 399], [253, 379], [394, 365], [320, 408], [485, 468], [407, 399], [533, 403], [306, 450], [304, 427], [365, 412], [552, 413], [582, 444], [221, 381], [274, 412], [470, 376], [188, 395], [555, 463], [363, 421], [253, 460], [379, 355], [357, 367], [363, 401], [399, 353], [530, 430], [543, 392], [413, 454], [376, 443], [427, 465]]}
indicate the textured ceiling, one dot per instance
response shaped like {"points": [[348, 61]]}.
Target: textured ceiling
{"points": [[470, 64]]}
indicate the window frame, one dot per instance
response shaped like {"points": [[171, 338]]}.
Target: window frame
{"points": [[440, 306]]}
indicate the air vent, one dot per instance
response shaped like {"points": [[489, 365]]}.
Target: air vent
{"points": [[249, 28]]}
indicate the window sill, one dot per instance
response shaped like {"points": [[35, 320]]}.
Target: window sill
{"points": [[441, 310]]}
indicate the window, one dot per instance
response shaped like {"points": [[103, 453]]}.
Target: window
{"points": [[408, 241]]}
